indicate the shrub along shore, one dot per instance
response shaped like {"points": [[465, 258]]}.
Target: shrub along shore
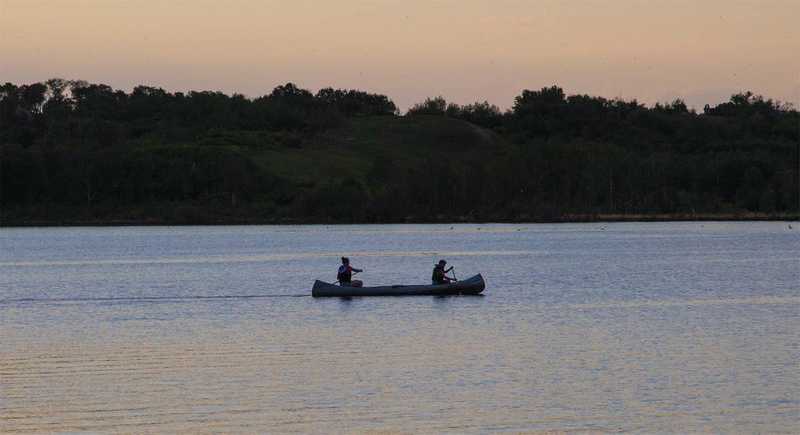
{"points": [[744, 217]]}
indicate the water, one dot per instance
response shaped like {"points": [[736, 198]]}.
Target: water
{"points": [[657, 327]]}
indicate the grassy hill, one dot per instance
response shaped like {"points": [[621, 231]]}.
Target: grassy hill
{"points": [[351, 150]]}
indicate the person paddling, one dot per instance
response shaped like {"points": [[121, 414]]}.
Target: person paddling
{"points": [[345, 274], [439, 275]]}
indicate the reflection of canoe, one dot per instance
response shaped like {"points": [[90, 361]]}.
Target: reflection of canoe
{"points": [[471, 286]]}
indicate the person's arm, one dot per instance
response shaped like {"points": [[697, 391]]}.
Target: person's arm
{"points": [[448, 270], [356, 270]]}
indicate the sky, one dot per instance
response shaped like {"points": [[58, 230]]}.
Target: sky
{"points": [[464, 50]]}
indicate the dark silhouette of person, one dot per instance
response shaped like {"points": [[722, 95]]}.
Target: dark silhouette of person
{"points": [[439, 275], [345, 274]]}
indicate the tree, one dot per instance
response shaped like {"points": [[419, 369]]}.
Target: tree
{"points": [[431, 106]]}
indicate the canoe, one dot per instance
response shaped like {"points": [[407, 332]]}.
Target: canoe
{"points": [[471, 286]]}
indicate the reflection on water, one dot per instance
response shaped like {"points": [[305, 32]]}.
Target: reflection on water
{"points": [[257, 258], [639, 327]]}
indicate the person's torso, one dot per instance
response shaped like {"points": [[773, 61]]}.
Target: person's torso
{"points": [[438, 274], [344, 274]]}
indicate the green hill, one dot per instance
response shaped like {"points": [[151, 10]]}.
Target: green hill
{"points": [[350, 151]]}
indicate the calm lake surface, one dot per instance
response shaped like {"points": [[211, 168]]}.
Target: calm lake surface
{"points": [[646, 327]]}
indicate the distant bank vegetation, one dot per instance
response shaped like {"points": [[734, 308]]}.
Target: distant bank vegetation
{"points": [[75, 152]]}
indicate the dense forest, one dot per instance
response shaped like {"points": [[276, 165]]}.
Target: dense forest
{"points": [[72, 152]]}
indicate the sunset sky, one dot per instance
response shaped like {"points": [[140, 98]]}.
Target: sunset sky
{"points": [[701, 51]]}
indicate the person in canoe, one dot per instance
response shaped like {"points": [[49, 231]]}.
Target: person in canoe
{"points": [[345, 275], [439, 275]]}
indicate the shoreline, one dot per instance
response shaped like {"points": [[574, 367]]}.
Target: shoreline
{"points": [[566, 219]]}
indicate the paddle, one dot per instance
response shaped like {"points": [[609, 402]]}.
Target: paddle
{"points": [[453, 270]]}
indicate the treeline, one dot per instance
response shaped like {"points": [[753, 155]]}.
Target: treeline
{"points": [[74, 151], [586, 155], [76, 113]]}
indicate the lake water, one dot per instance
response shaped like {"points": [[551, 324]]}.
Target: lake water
{"points": [[645, 327]]}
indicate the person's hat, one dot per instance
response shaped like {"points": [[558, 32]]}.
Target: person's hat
{"points": [[442, 262], [345, 260]]}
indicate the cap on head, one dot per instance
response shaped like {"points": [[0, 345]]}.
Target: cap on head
{"points": [[442, 262]]}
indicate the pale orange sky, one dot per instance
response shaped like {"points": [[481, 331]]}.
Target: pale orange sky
{"points": [[699, 50]]}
